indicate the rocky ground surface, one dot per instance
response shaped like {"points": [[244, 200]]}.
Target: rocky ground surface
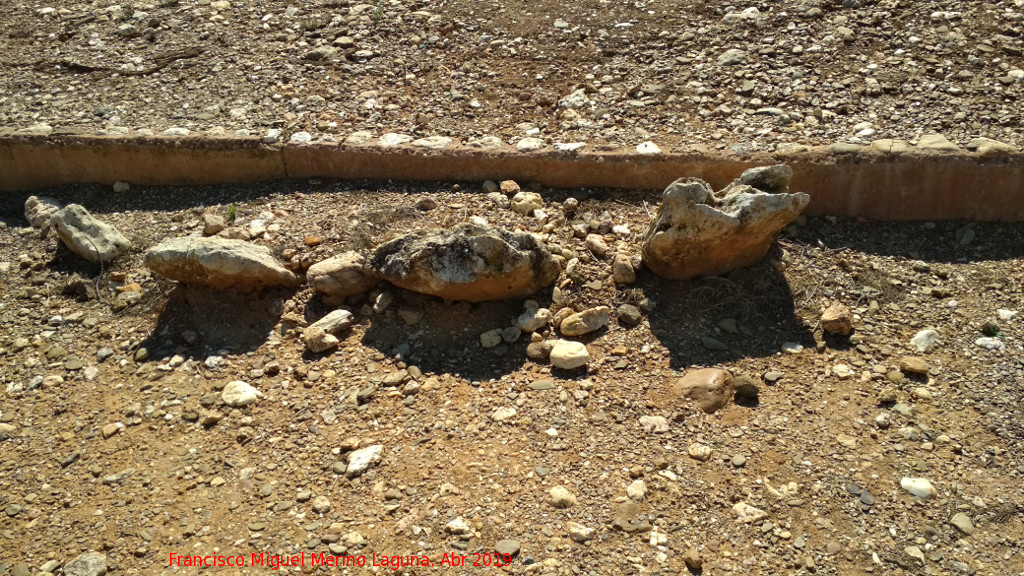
{"points": [[748, 76], [855, 454]]}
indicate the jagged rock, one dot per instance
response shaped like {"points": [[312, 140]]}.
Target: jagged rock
{"points": [[526, 202], [837, 319], [39, 211], [317, 340], [213, 224], [341, 276], [218, 263], [88, 236], [322, 334], [709, 388], [697, 234], [470, 262]]}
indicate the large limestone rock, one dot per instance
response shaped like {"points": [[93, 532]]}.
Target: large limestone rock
{"points": [[88, 236], [471, 263], [218, 263], [40, 210], [697, 234], [341, 276]]}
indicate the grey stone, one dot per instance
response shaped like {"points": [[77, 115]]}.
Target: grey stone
{"points": [[218, 263], [88, 564]]}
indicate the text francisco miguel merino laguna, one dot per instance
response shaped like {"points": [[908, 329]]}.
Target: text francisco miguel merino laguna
{"points": [[276, 562]]}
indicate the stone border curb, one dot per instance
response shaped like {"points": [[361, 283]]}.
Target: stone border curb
{"points": [[842, 179]]}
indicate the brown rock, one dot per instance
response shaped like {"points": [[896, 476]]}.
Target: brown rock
{"points": [[691, 237], [509, 187], [709, 388], [914, 365], [471, 263], [622, 269], [837, 319], [213, 224], [341, 276]]}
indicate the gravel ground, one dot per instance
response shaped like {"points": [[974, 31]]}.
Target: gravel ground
{"points": [[749, 77], [115, 438]]}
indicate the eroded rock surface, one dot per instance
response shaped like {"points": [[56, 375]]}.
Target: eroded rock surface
{"points": [[88, 236], [472, 263], [697, 234]]}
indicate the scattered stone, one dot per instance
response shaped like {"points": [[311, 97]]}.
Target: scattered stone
{"points": [[218, 263], [709, 388], [654, 424], [578, 532], [361, 460], [467, 263], [924, 339], [629, 315], [596, 245], [534, 319], [238, 394], [88, 564], [963, 523], [748, 514], [560, 497], [568, 355], [529, 145], [507, 547], [919, 487], [87, 236], [504, 413], [341, 276], [690, 237], [648, 149], [637, 491], [914, 365], [525, 203], [318, 341], [732, 57], [622, 269], [586, 322], [213, 224], [541, 351], [490, 339], [990, 343], [771, 179], [837, 319]]}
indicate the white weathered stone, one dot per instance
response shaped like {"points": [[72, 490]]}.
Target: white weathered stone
{"points": [[238, 393], [361, 460], [568, 355]]}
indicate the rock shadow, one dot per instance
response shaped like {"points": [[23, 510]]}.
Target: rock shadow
{"points": [[197, 321], [931, 242], [443, 337], [747, 313]]}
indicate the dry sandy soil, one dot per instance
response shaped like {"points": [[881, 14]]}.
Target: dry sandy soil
{"points": [[134, 455], [807, 71]]}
